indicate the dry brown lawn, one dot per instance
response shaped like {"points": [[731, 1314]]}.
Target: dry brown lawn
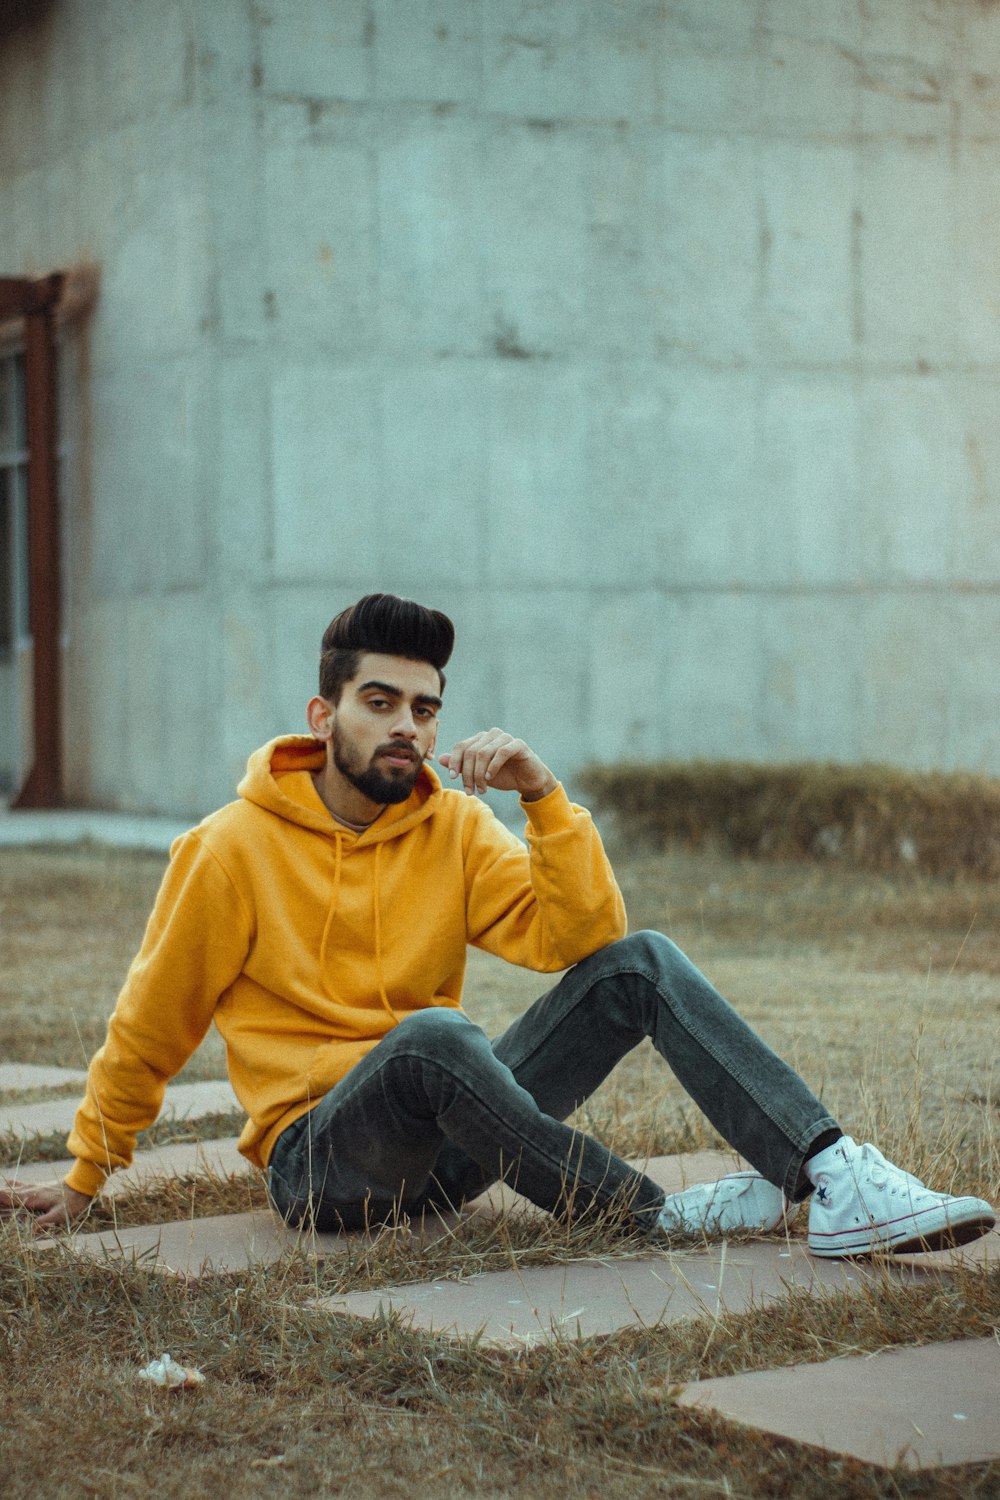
{"points": [[884, 991]]}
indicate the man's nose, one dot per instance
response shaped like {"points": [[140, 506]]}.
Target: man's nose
{"points": [[405, 726]]}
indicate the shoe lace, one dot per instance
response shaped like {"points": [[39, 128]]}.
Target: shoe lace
{"points": [[886, 1174]]}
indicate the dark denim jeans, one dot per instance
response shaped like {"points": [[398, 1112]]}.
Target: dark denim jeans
{"points": [[435, 1112]]}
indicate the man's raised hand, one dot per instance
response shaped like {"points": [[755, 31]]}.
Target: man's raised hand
{"points": [[51, 1205], [493, 758]]}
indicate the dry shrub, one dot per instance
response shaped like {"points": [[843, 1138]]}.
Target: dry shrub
{"points": [[870, 817]]}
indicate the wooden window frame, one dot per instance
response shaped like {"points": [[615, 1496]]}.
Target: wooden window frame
{"points": [[34, 303]]}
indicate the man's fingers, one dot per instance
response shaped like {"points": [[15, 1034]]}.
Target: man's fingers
{"points": [[13, 1198], [471, 758], [502, 755], [56, 1218], [496, 749], [494, 758], [50, 1203], [475, 763]]}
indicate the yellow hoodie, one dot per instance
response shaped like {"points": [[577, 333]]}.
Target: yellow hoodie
{"points": [[306, 942]]}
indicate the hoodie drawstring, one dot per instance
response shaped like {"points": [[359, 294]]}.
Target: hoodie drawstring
{"points": [[378, 928], [378, 943], [330, 915]]}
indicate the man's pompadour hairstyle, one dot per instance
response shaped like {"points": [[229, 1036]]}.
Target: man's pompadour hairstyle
{"points": [[387, 624]]}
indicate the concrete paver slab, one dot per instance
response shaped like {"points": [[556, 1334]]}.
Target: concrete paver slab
{"points": [[925, 1407], [226, 1242], [193, 1247], [232, 1241], [587, 1298], [673, 1173], [183, 1100], [596, 1296], [14, 1075], [183, 1159]]}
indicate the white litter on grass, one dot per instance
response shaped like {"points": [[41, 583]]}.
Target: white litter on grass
{"points": [[166, 1372]]}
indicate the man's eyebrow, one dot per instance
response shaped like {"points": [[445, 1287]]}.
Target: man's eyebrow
{"points": [[397, 692]]}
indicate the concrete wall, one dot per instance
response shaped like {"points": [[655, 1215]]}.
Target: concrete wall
{"points": [[659, 343]]}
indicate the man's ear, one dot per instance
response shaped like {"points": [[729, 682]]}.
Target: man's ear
{"points": [[433, 744], [319, 716]]}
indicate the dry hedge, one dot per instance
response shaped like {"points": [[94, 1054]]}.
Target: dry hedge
{"points": [[870, 816]]}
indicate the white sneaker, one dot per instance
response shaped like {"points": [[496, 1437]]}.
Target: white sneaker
{"points": [[744, 1200], [864, 1204]]}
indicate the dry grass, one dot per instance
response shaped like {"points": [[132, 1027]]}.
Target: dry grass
{"points": [[297, 1402], [70, 923], [882, 989]]}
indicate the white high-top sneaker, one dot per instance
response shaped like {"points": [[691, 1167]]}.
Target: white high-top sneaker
{"points": [[862, 1204], [744, 1200]]}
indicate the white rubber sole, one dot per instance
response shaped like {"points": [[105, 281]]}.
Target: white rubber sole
{"points": [[940, 1226]]}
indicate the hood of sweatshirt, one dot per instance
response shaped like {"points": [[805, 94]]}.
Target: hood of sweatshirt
{"points": [[279, 779]]}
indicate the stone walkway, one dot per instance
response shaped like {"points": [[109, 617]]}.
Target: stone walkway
{"points": [[931, 1406], [922, 1408], [527, 1305], [219, 1158], [233, 1241], [183, 1101]]}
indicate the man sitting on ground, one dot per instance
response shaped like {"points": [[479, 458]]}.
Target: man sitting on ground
{"points": [[321, 921]]}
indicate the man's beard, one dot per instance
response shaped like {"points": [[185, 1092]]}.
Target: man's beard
{"points": [[371, 782]]}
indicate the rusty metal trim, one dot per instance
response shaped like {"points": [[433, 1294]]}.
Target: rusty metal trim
{"points": [[20, 298], [43, 785]]}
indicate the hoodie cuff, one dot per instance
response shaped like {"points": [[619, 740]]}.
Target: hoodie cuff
{"points": [[551, 813], [85, 1177]]}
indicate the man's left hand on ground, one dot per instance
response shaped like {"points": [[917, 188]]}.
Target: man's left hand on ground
{"points": [[493, 758], [51, 1205]]}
